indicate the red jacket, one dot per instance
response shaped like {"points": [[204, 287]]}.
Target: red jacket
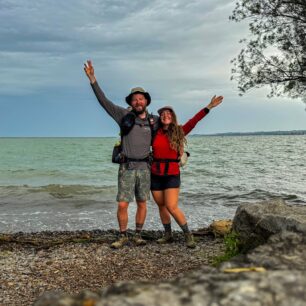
{"points": [[162, 150]]}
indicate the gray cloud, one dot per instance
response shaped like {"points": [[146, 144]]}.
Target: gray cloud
{"points": [[129, 32], [124, 27], [179, 50]]}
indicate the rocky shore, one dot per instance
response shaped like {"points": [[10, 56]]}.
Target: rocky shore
{"points": [[54, 269], [70, 262], [271, 271]]}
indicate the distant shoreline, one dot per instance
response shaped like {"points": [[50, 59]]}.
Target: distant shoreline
{"points": [[275, 133], [260, 133]]}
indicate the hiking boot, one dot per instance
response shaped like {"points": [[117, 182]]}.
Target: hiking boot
{"points": [[138, 239], [122, 240], [190, 243], [167, 238]]}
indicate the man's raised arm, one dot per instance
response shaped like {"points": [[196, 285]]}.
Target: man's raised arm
{"points": [[115, 111]]}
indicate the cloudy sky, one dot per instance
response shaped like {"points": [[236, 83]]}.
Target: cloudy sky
{"points": [[178, 50]]}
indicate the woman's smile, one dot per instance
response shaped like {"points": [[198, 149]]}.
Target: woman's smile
{"points": [[166, 117]]}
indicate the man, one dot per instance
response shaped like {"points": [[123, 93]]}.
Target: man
{"points": [[134, 172]]}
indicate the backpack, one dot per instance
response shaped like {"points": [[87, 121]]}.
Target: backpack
{"points": [[126, 125]]}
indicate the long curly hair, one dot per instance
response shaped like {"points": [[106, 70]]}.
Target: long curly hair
{"points": [[176, 135]]}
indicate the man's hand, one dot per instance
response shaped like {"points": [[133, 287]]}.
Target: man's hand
{"points": [[215, 101], [89, 70]]}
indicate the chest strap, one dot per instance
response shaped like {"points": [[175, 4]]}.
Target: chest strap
{"points": [[167, 161], [146, 159]]}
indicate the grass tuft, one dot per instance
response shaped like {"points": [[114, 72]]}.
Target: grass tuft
{"points": [[232, 248]]}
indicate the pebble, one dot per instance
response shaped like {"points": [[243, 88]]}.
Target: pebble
{"points": [[26, 273]]}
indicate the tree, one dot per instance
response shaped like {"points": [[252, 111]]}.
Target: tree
{"points": [[275, 53]]}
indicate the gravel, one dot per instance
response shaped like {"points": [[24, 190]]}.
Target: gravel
{"points": [[33, 263]]}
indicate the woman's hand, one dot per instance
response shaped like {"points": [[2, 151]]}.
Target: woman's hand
{"points": [[90, 72], [215, 101]]}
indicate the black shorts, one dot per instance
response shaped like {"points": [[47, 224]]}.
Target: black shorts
{"points": [[160, 182]]}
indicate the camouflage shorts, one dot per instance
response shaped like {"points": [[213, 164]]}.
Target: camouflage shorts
{"points": [[132, 183]]}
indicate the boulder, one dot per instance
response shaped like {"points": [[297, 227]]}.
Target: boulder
{"points": [[285, 250], [205, 287], [256, 222]]}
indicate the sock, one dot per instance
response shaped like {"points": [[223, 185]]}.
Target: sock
{"points": [[123, 233], [167, 227], [185, 228], [138, 228]]}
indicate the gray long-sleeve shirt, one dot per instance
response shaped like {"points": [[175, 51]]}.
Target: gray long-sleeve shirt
{"points": [[137, 143]]}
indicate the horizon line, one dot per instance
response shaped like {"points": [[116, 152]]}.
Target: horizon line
{"points": [[197, 134]]}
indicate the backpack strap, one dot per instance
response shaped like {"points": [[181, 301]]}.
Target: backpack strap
{"points": [[152, 127]]}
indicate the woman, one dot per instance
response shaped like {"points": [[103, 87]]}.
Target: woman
{"points": [[168, 147]]}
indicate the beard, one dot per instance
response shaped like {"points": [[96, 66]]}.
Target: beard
{"points": [[139, 110]]}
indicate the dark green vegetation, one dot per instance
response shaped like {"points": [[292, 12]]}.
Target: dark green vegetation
{"points": [[275, 53], [232, 248]]}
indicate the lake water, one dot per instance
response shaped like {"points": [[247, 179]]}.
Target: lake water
{"points": [[70, 183]]}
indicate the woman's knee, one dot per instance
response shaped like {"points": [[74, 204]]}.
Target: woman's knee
{"points": [[173, 209], [162, 207]]}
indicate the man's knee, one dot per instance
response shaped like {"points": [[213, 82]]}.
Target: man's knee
{"points": [[141, 203], [123, 206], [141, 206]]}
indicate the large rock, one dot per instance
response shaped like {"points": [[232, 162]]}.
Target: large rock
{"points": [[206, 287], [256, 222], [285, 250]]}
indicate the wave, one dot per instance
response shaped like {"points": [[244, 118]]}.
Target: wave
{"points": [[57, 190], [32, 173], [233, 198], [22, 170]]}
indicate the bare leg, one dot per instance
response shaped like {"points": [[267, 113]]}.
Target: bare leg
{"points": [[140, 214], [158, 196], [171, 202], [122, 215]]}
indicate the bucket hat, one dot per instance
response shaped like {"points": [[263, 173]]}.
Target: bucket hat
{"points": [[167, 107], [140, 90]]}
